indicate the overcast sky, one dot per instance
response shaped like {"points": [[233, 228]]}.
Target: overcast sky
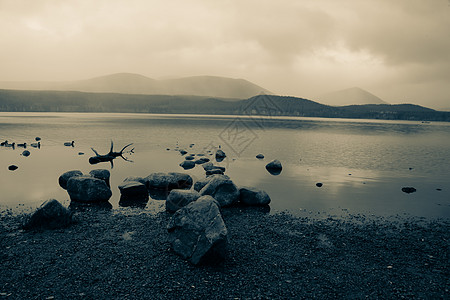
{"points": [[398, 50]]}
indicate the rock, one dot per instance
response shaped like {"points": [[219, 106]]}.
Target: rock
{"points": [[50, 215], [220, 154], [26, 153], [102, 174], [136, 178], [37, 139], [180, 181], [133, 189], [260, 156], [88, 189], [253, 197], [169, 181], [408, 190], [180, 198], [319, 184], [187, 164], [214, 171], [80, 153], [274, 167], [222, 189], [210, 166], [13, 167], [183, 152], [198, 233], [199, 184], [64, 178], [133, 194], [189, 157]]}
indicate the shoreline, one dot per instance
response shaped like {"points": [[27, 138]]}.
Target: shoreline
{"points": [[110, 254]]}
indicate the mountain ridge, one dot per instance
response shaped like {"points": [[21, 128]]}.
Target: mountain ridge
{"points": [[131, 83], [349, 96]]}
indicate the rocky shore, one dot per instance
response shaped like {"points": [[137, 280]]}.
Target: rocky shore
{"points": [[125, 254]]}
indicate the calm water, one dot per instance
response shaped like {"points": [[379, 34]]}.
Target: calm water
{"points": [[363, 164]]}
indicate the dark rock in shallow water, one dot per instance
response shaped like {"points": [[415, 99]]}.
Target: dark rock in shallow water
{"points": [[253, 197], [13, 167], [133, 194], [183, 152], [260, 156], [133, 189], [88, 189], [408, 190], [157, 194], [64, 178], [214, 171], [222, 189], [180, 198], [80, 153], [50, 215], [220, 154], [198, 233], [136, 178], [26, 153], [169, 181], [102, 174], [274, 167], [319, 184], [187, 164], [37, 139], [189, 157]]}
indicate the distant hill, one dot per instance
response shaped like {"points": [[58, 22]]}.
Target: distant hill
{"points": [[351, 96], [267, 105], [126, 83]]}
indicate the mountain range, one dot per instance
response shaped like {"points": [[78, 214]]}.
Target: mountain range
{"points": [[127, 83], [266, 105], [349, 96]]}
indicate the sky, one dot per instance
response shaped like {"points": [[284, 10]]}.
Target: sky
{"points": [[398, 50]]}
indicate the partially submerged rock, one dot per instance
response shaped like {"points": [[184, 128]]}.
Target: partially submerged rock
{"points": [[408, 189], [260, 156], [198, 233], [64, 178], [26, 153], [180, 198], [187, 164], [136, 178], [50, 215], [133, 189], [102, 174], [253, 196], [169, 181], [13, 167], [274, 167], [222, 189], [88, 189]]}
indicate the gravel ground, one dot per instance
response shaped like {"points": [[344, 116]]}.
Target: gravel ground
{"points": [[125, 255]]}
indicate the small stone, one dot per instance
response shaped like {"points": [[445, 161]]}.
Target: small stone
{"points": [[26, 153], [13, 167], [187, 164], [260, 156], [319, 184], [408, 189]]}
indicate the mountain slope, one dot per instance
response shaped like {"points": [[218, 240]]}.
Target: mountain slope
{"points": [[127, 83], [351, 96]]}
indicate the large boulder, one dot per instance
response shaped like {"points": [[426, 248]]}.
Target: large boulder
{"points": [[180, 198], [221, 188], [64, 178], [87, 189], [50, 215], [274, 167], [198, 233], [169, 181], [253, 196], [102, 174]]}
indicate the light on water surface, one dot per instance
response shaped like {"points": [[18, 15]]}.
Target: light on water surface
{"points": [[363, 164]]}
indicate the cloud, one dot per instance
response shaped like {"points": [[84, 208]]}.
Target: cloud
{"points": [[301, 48]]}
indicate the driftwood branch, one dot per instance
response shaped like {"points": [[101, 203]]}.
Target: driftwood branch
{"points": [[109, 157]]}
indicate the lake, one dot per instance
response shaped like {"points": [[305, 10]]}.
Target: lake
{"points": [[362, 164]]}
